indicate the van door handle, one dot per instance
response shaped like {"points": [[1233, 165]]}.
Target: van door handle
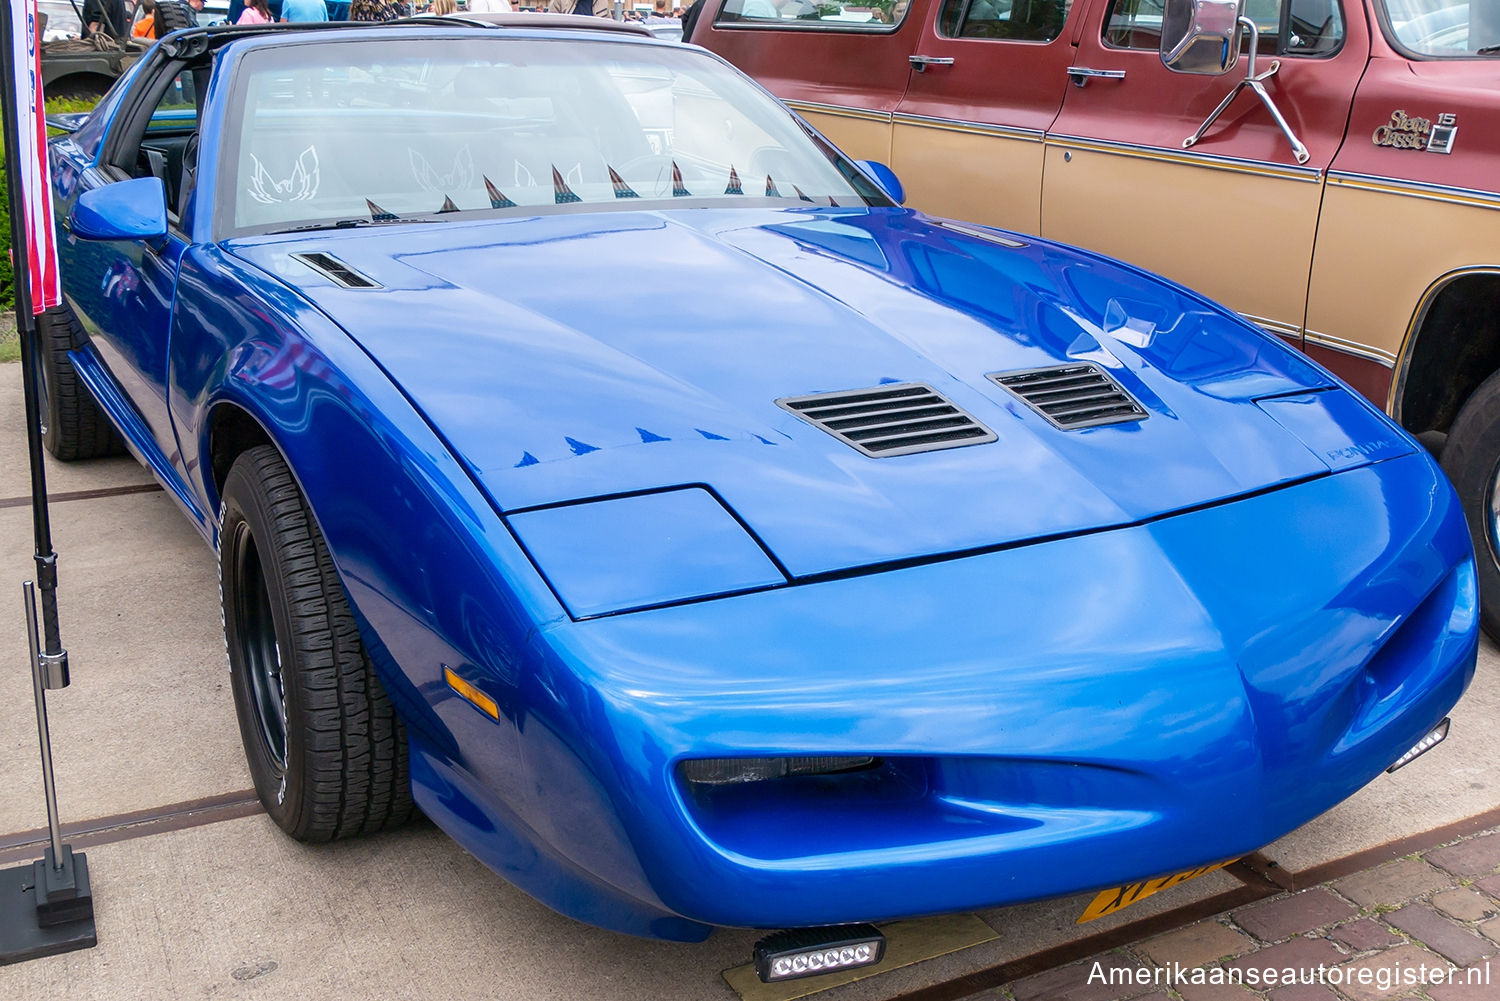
{"points": [[1081, 75], [920, 63]]}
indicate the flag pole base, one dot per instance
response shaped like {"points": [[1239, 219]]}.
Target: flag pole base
{"points": [[46, 909]]}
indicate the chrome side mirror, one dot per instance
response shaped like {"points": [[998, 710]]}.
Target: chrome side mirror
{"points": [[1201, 36]]}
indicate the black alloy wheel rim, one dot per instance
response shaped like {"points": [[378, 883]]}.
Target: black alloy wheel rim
{"points": [[258, 647]]}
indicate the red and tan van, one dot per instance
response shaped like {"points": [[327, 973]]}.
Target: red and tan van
{"points": [[1339, 184]]}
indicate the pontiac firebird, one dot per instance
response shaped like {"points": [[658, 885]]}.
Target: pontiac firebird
{"points": [[602, 463]]}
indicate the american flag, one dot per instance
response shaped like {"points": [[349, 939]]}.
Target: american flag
{"points": [[31, 157]]}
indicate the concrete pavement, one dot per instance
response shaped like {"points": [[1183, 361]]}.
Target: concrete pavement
{"points": [[199, 895]]}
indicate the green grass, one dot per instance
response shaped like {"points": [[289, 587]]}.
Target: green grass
{"points": [[10, 350], [64, 105], [55, 106]]}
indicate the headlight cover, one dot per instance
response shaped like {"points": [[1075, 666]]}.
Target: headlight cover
{"points": [[642, 550]]}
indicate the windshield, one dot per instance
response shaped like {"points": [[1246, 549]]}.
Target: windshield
{"points": [[376, 131], [62, 19], [1452, 28]]}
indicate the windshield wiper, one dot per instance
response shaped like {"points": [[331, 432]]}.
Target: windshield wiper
{"points": [[378, 217], [347, 224], [1487, 50]]}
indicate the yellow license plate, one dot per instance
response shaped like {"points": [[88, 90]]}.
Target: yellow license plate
{"points": [[1121, 897]]}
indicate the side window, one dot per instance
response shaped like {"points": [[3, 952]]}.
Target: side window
{"points": [[1015, 20], [1315, 27], [876, 15], [170, 139], [1287, 27]]}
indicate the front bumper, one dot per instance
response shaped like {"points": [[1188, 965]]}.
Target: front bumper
{"points": [[1052, 718]]}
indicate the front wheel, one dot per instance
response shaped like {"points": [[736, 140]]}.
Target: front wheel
{"points": [[325, 748], [1471, 458]]}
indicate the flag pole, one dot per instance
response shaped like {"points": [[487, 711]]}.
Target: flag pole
{"points": [[47, 906], [41, 523]]}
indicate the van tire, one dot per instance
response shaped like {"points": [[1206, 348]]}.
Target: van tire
{"points": [[1471, 458]]}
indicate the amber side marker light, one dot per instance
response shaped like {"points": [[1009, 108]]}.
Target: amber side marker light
{"points": [[1437, 736], [481, 701], [806, 952]]}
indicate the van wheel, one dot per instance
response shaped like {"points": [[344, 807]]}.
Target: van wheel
{"points": [[1471, 458], [325, 748], [172, 15], [73, 426]]}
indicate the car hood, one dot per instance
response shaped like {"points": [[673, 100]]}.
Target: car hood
{"points": [[580, 355]]}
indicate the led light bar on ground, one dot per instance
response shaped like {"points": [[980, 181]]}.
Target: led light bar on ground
{"points": [[807, 952], [1433, 739]]}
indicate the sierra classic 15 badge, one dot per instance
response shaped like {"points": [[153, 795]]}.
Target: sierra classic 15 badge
{"points": [[1405, 131]]}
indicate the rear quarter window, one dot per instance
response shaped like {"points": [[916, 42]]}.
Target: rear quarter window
{"points": [[1013, 20], [878, 15]]}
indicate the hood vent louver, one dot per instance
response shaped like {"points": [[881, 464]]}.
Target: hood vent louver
{"points": [[1072, 396], [896, 419], [335, 270]]}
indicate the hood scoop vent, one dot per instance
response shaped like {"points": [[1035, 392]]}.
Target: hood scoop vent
{"points": [[1072, 396], [335, 270], [897, 419]]}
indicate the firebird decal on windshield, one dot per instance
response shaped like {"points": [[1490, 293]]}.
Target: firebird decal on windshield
{"points": [[299, 187], [460, 178]]}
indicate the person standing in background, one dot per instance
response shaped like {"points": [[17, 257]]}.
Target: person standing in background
{"points": [[105, 17], [255, 12], [373, 10], [587, 8], [145, 27], [489, 7], [690, 18], [303, 11], [190, 10]]}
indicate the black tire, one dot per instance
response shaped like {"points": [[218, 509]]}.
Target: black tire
{"points": [[325, 748], [73, 426], [81, 86], [172, 15], [1471, 458]]}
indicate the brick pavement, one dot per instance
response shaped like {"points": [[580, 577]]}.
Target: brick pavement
{"points": [[1383, 933]]}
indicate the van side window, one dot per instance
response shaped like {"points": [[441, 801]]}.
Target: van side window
{"points": [[1287, 27], [874, 15], [1016, 20]]}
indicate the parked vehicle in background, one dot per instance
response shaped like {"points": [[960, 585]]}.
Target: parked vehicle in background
{"points": [[61, 19], [1367, 232], [77, 68], [667, 29]]}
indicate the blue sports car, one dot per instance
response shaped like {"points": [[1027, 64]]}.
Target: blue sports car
{"points": [[602, 463]]}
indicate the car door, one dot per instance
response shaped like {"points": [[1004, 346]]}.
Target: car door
{"points": [[843, 71], [1235, 214], [123, 290], [987, 79]]}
